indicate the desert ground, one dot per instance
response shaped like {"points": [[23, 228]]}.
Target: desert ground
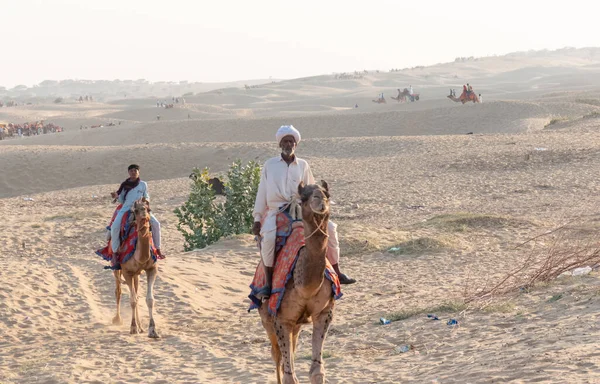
{"points": [[433, 200]]}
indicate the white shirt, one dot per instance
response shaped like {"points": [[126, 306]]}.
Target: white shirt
{"points": [[134, 195], [279, 184]]}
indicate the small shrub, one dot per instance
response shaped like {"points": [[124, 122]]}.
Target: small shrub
{"points": [[593, 115], [555, 120], [595, 102], [240, 193], [553, 253], [555, 298], [198, 215], [325, 354], [203, 220], [58, 100]]}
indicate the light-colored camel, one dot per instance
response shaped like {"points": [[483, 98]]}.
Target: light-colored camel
{"points": [[308, 295], [130, 270]]}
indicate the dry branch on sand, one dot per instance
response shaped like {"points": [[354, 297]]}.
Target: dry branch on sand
{"points": [[552, 254]]}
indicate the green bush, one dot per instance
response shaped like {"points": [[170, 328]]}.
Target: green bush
{"points": [[203, 220]]}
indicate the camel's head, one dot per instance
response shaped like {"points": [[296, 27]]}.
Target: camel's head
{"points": [[315, 199], [141, 209]]}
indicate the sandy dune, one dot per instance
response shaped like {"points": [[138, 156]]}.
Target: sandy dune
{"points": [[402, 175]]}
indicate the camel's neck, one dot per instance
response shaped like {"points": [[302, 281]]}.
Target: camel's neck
{"points": [[311, 263], [143, 241]]}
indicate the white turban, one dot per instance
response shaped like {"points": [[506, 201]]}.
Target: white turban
{"points": [[287, 130]]}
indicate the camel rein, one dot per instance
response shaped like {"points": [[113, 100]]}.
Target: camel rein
{"points": [[319, 228]]}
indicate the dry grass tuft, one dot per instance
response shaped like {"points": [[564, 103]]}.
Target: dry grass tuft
{"points": [[446, 307], [500, 307], [420, 245], [595, 102], [461, 222], [308, 356], [357, 239]]}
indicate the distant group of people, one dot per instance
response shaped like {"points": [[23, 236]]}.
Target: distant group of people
{"points": [[28, 129], [175, 100], [86, 98], [467, 90], [351, 76]]}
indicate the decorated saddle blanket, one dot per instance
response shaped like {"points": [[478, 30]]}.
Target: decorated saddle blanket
{"points": [[128, 241], [290, 240]]}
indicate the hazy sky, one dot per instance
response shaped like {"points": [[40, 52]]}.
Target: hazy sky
{"points": [[222, 40]]}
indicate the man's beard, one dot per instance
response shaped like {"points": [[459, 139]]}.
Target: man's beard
{"points": [[288, 152]]}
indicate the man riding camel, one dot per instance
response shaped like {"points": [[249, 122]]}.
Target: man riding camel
{"points": [[278, 187], [129, 192]]}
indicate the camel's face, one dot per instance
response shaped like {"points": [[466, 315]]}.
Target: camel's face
{"points": [[315, 199], [141, 209]]}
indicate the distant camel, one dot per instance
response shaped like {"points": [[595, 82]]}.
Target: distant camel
{"points": [[404, 94], [380, 101], [465, 97]]}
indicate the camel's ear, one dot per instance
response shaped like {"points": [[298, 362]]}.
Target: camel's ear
{"points": [[300, 188], [325, 186]]}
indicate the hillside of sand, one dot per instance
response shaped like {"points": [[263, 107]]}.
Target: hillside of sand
{"points": [[426, 212]]}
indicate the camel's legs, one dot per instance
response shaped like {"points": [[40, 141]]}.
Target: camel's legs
{"points": [[117, 320], [151, 274], [275, 354], [283, 331], [320, 326], [136, 283], [132, 301], [295, 335]]}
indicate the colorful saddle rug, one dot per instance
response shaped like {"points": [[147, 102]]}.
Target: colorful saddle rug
{"points": [[290, 240], [128, 236]]}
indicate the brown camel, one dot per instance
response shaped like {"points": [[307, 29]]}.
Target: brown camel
{"points": [[465, 97], [308, 296], [131, 269], [402, 96]]}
